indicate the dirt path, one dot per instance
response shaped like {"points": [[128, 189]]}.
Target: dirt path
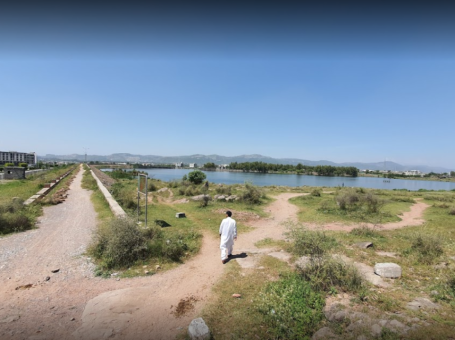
{"points": [[413, 217]]}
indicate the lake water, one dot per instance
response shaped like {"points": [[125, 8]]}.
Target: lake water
{"points": [[226, 177]]}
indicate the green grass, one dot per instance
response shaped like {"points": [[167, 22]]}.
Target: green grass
{"points": [[231, 318], [323, 209], [28, 187]]}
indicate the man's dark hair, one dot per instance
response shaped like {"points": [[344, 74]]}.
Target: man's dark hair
{"points": [[228, 213]]}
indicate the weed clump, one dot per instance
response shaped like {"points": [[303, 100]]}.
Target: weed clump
{"points": [[310, 242], [291, 308], [120, 244], [252, 194], [326, 273], [427, 248], [14, 217], [365, 231]]}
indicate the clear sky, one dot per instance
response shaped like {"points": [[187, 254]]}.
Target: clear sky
{"points": [[342, 83]]}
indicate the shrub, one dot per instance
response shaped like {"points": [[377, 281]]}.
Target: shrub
{"points": [[374, 203], [310, 242], [23, 165], [223, 190], [151, 186], [124, 196], [427, 248], [347, 199], [252, 194], [196, 177], [325, 273], [14, 217], [119, 244], [292, 309], [205, 201], [365, 231], [452, 211], [316, 193]]}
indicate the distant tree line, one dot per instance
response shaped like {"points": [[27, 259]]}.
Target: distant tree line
{"points": [[319, 170]]}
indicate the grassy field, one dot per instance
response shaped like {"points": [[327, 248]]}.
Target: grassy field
{"points": [[14, 216], [28, 187], [275, 296]]}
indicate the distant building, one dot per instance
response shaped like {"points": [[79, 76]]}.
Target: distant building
{"points": [[14, 172], [179, 164], [412, 173], [17, 157], [193, 165]]}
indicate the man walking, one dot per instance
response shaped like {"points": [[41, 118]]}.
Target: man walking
{"points": [[228, 233]]}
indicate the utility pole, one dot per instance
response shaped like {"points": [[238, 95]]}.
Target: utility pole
{"points": [[85, 149]]}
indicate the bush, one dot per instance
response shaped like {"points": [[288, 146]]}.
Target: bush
{"points": [[252, 194], [347, 200], [151, 186], [373, 203], [452, 211], [14, 217], [427, 248], [119, 244], [310, 242], [223, 190], [365, 231], [292, 309], [326, 273], [196, 177], [316, 193], [124, 196]]}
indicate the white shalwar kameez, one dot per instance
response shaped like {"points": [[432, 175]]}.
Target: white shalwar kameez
{"points": [[228, 231]]}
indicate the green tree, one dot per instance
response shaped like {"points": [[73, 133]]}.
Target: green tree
{"points": [[209, 165], [196, 177]]}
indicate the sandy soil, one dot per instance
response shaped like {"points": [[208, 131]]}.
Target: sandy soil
{"points": [[72, 304]]}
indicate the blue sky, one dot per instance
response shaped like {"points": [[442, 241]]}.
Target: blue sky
{"points": [[342, 84]]}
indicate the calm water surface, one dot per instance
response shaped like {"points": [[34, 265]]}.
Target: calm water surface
{"points": [[226, 177]]}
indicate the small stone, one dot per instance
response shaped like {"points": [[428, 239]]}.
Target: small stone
{"points": [[72, 319], [376, 330], [157, 267], [146, 272], [364, 245], [144, 266], [55, 270], [324, 333], [48, 278], [198, 330], [236, 295]]}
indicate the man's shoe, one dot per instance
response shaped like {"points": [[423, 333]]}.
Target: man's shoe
{"points": [[224, 261], [230, 255]]}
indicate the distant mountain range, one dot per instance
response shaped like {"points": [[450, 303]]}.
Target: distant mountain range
{"points": [[217, 159]]}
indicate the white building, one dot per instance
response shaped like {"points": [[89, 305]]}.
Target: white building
{"points": [[412, 173], [17, 157], [193, 165]]}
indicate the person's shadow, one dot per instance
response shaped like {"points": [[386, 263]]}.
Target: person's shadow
{"points": [[237, 256]]}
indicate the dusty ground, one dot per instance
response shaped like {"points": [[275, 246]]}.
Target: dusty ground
{"points": [[72, 304]]}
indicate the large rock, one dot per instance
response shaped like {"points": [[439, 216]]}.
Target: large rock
{"points": [[389, 270], [200, 197], [422, 303], [324, 333], [198, 330]]}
